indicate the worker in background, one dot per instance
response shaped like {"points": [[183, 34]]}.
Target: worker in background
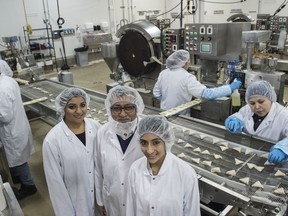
{"points": [[263, 117], [15, 133], [5, 68], [175, 86], [117, 148], [160, 183], [68, 156]]}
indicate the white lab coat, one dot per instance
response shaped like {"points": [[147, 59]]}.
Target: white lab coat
{"points": [[273, 127], [174, 191], [15, 131], [112, 168], [177, 86], [70, 169], [5, 68]]}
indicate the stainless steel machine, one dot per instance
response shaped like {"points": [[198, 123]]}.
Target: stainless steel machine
{"points": [[232, 169]]}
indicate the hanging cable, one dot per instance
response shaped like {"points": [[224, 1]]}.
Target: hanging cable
{"points": [[60, 22], [284, 3], [169, 10]]}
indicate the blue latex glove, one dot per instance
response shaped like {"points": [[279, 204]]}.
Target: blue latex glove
{"points": [[276, 156], [235, 85], [234, 124]]}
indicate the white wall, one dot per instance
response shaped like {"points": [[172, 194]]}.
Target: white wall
{"points": [[77, 12]]}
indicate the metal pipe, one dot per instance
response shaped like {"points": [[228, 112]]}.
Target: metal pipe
{"points": [[250, 52], [128, 11], [123, 10], [132, 13], [181, 14], [209, 210]]}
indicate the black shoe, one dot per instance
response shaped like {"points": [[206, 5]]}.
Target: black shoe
{"points": [[26, 190]]}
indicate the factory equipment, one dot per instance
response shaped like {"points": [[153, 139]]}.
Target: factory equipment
{"points": [[135, 59], [262, 66], [232, 169]]}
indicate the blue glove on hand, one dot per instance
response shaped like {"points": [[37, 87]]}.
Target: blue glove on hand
{"points": [[235, 85], [276, 156], [234, 124]]}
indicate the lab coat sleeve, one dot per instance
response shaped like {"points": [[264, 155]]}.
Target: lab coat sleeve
{"points": [[98, 171], [6, 109], [243, 113], [282, 145], [157, 88], [192, 197], [130, 202], [59, 196], [217, 92]]}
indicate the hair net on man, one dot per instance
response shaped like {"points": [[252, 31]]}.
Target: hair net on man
{"points": [[124, 94], [159, 126], [67, 94], [177, 59], [260, 88], [5, 68]]}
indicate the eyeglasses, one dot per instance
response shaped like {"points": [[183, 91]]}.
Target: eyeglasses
{"points": [[127, 108]]}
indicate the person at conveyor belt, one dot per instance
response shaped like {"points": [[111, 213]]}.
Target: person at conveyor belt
{"points": [[175, 86], [15, 133], [263, 117], [160, 183], [68, 156]]}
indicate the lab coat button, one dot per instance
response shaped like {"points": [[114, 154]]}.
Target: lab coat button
{"points": [[122, 183], [153, 178], [123, 204], [152, 207]]}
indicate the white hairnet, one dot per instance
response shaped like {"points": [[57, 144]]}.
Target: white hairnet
{"points": [[5, 68], [124, 94], [67, 94], [177, 59], [159, 126], [260, 88]]}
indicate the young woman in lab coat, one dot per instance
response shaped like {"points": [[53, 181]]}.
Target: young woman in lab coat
{"points": [[175, 86], [160, 183], [68, 156], [117, 148], [263, 117]]}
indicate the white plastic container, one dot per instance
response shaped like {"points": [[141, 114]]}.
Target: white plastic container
{"points": [[236, 102]]}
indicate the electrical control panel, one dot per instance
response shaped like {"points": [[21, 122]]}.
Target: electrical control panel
{"points": [[273, 23], [205, 39], [173, 39]]}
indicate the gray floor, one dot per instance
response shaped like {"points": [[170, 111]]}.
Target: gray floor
{"points": [[95, 76]]}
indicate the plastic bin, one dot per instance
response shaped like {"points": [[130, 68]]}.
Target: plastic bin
{"points": [[81, 55]]}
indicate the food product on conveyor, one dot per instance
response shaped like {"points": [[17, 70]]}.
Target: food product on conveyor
{"points": [[180, 141], [223, 148], [181, 155], [216, 170], [257, 184], [245, 180], [188, 145], [264, 155], [259, 168], [238, 149], [231, 172], [206, 152], [197, 150], [208, 163], [237, 161], [251, 165], [216, 156], [279, 173], [279, 191], [196, 160]]}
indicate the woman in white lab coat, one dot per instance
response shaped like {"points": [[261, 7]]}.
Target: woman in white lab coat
{"points": [[117, 148], [160, 183], [263, 117], [68, 156], [175, 86], [5, 68]]}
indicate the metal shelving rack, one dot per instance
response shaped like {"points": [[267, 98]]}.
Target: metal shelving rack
{"points": [[42, 42]]}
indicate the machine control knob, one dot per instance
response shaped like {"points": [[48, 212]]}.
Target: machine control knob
{"points": [[202, 38], [209, 38]]}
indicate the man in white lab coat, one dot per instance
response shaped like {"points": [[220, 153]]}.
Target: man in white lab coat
{"points": [[263, 117], [117, 148], [175, 86], [15, 134]]}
